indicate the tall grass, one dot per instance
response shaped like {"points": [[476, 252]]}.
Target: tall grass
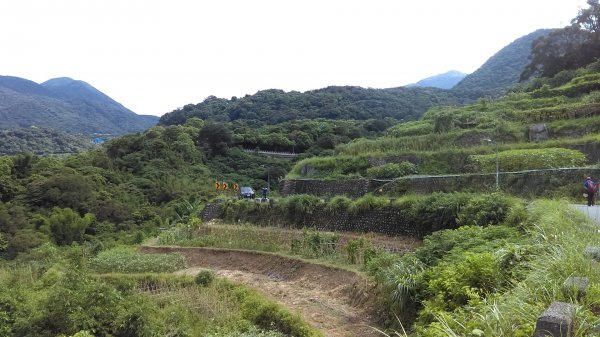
{"points": [[444, 160], [243, 236], [217, 309], [517, 160], [558, 236], [128, 260]]}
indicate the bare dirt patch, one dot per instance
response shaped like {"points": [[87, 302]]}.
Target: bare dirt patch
{"points": [[336, 301]]}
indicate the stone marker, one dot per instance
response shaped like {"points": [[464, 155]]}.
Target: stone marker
{"points": [[538, 132], [556, 321], [575, 285], [593, 252]]}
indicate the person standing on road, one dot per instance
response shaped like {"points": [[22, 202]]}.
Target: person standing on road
{"points": [[590, 190]]}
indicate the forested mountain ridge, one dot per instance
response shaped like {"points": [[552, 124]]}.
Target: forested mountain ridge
{"points": [[335, 102], [500, 71], [70, 227], [273, 106], [65, 104]]}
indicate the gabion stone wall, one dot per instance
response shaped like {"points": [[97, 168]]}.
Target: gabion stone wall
{"points": [[528, 184], [390, 221], [329, 188], [387, 220], [211, 211]]}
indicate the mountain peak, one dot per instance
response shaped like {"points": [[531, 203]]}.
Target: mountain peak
{"points": [[442, 81], [65, 104], [502, 70], [70, 89], [59, 81]]}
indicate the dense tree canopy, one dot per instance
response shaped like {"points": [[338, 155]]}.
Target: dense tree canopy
{"points": [[41, 141], [276, 106], [571, 47]]}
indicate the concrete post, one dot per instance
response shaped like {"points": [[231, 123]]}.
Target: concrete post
{"points": [[556, 321], [575, 287]]}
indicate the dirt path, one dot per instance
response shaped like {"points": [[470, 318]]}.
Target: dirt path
{"points": [[336, 301]]}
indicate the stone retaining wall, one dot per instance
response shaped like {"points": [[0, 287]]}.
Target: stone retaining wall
{"points": [[328, 188], [211, 211], [387, 220], [528, 184], [534, 183]]}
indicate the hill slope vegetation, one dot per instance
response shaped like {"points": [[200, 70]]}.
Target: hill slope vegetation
{"points": [[501, 71], [277, 106], [65, 104]]}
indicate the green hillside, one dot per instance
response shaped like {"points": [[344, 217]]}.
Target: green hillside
{"points": [[276, 106], [41, 141], [67, 105], [453, 140], [501, 71], [114, 241]]}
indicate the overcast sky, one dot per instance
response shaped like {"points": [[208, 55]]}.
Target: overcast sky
{"points": [[155, 56]]}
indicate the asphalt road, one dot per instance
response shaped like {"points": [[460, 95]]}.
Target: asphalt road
{"points": [[591, 211]]}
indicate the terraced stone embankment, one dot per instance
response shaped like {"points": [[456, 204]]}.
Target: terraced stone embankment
{"points": [[339, 302]]}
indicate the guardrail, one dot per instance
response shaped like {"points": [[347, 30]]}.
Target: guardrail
{"points": [[272, 153]]}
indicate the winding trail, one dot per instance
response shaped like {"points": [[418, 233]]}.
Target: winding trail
{"points": [[338, 302]]}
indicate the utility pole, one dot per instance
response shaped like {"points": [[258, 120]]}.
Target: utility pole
{"points": [[497, 169], [497, 163]]}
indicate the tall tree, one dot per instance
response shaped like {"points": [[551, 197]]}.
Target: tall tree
{"points": [[589, 18], [571, 47]]}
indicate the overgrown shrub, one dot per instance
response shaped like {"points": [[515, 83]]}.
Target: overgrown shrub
{"points": [[454, 284], [485, 210], [315, 244], [352, 249], [339, 203], [339, 167], [204, 278], [175, 234], [411, 128], [433, 211], [272, 316], [128, 260], [367, 203], [528, 159], [391, 170], [300, 204]]}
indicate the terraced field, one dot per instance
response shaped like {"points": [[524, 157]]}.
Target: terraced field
{"points": [[338, 301]]}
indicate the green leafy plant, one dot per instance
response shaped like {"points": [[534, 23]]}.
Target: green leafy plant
{"points": [[204, 278], [516, 160], [352, 248], [391, 170]]}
